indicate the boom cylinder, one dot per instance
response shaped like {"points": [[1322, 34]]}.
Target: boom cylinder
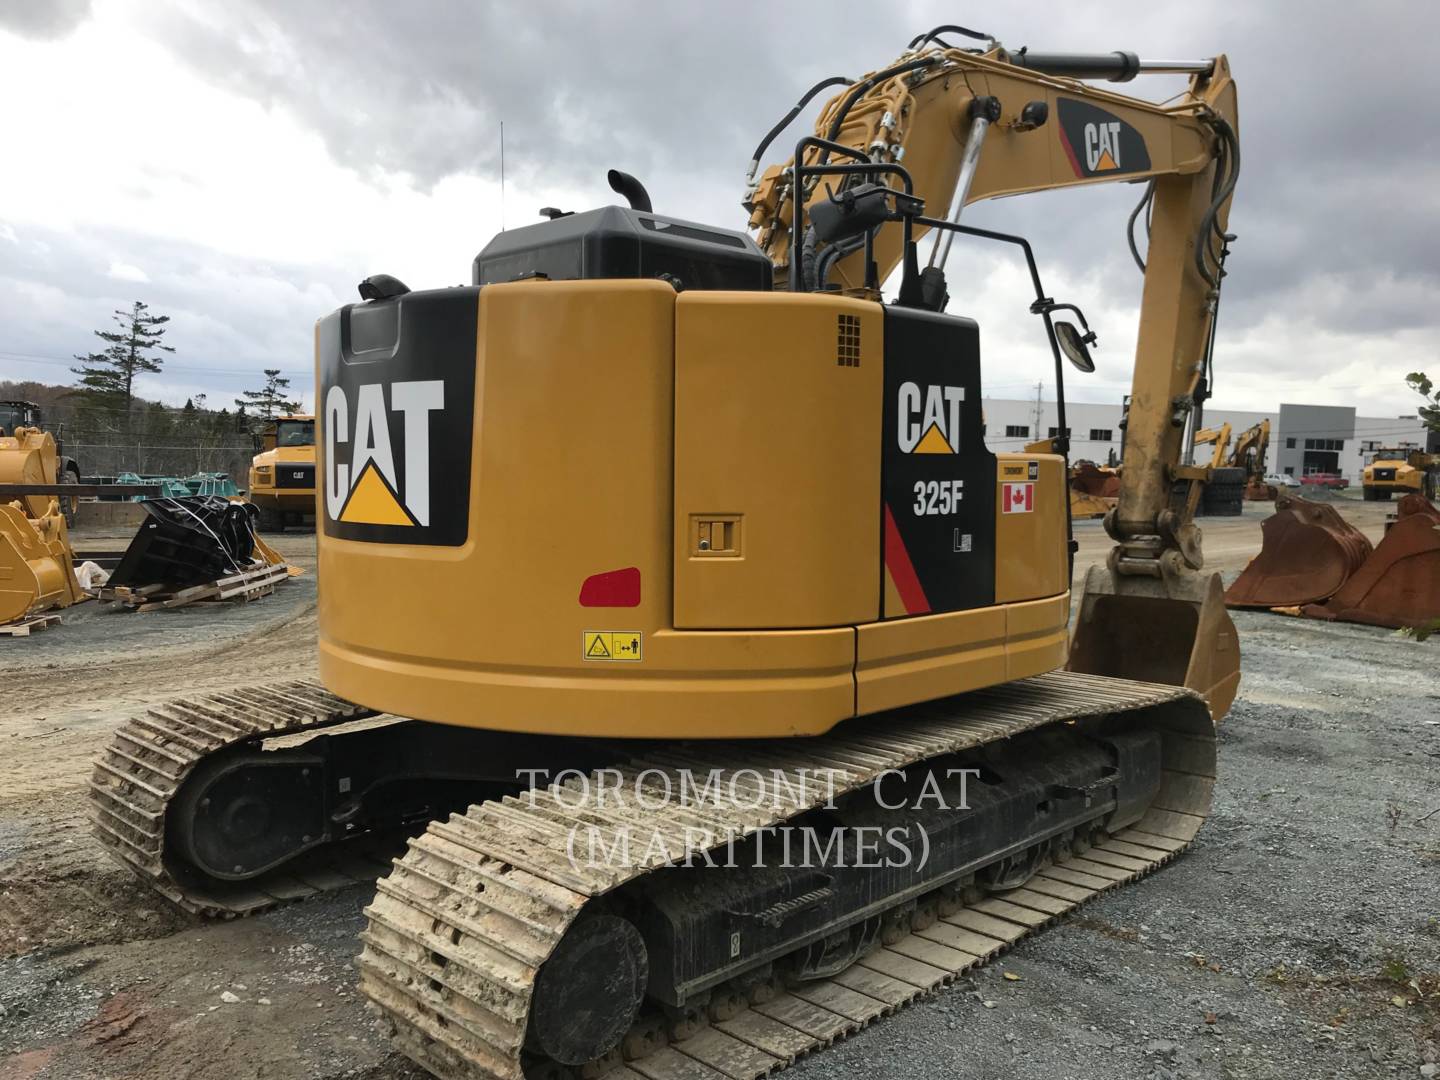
{"points": [[1116, 66]]}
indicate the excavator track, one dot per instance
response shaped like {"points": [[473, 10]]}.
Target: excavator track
{"points": [[460, 929], [148, 759]]}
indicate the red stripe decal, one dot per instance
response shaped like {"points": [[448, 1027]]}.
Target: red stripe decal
{"points": [[1070, 152], [897, 561]]}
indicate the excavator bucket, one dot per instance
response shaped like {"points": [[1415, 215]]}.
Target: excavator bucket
{"points": [[35, 563], [1084, 505], [188, 541], [1163, 630], [1307, 552], [1090, 479], [1399, 584]]}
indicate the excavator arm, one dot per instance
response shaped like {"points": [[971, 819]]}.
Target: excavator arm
{"points": [[960, 126]]}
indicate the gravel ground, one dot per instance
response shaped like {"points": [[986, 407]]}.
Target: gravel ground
{"points": [[1300, 937]]}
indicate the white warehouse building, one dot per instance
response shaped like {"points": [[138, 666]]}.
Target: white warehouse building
{"points": [[1303, 438]]}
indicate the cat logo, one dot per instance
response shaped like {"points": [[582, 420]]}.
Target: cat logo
{"points": [[1097, 142], [1102, 146], [929, 418], [369, 489]]}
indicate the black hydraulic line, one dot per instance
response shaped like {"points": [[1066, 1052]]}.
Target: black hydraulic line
{"points": [[921, 40], [831, 255], [1209, 221], [806, 98], [1130, 225], [864, 166]]}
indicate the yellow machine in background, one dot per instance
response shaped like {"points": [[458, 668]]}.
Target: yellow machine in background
{"points": [[36, 572], [282, 473], [1400, 471], [1249, 453], [661, 504]]}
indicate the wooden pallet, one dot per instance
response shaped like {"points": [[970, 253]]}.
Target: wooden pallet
{"points": [[24, 627], [236, 588]]}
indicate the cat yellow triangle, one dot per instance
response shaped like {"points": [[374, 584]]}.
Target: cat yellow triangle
{"points": [[371, 502], [1105, 162], [934, 443]]}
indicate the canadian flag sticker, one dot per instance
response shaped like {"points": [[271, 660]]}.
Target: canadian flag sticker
{"points": [[1018, 498]]}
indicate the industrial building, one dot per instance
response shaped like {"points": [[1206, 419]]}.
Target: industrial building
{"points": [[1303, 438]]}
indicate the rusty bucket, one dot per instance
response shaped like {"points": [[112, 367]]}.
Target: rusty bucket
{"points": [[1399, 584], [1307, 552]]}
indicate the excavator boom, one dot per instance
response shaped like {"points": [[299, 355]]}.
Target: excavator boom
{"points": [[965, 126]]}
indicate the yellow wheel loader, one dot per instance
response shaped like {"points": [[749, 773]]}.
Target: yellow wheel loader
{"points": [[282, 473], [728, 666]]}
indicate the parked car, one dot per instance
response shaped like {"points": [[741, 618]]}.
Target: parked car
{"points": [[1325, 480], [1282, 480]]}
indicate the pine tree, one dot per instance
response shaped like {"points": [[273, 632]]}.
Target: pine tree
{"points": [[269, 401], [109, 376]]}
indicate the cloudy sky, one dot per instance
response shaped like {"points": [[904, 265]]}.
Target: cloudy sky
{"points": [[241, 165]]}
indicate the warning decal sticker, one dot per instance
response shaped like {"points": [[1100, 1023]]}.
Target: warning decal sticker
{"points": [[612, 645]]}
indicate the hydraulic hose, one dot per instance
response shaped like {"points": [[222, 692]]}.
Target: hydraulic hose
{"points": [[836, 80], [1141, 207]]}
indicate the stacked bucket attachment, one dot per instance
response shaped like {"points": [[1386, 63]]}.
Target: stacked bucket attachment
{"points": [[1308, 551], [1314, 563], [1399, 584], [191, 541], [35, 556]]}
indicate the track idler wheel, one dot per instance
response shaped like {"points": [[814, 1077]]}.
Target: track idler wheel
{"points": [[588, 993]]}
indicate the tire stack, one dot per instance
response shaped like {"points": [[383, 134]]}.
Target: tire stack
{"points": [[1223, 496]]}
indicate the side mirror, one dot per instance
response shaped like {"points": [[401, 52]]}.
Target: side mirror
{"points": [[1073, 345]]}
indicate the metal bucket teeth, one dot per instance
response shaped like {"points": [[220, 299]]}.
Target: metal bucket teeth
{"points": [[460, 929]]}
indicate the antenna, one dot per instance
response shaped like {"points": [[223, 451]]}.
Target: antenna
{"points": [[502, 175], [1039, 411]]}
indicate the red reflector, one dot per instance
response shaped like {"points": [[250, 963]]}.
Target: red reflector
{"points": [[615, 588]]}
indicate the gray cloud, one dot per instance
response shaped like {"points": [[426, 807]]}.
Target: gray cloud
{"points": [[1336, 210], [43, 20], [229, 318]]}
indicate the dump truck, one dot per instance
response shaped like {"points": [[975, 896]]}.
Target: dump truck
{"points": [[282, 473], [1400, 471], [659, 543]]}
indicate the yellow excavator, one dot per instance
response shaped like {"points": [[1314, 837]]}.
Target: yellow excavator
{"points": [[684, 556], [1249, 453]]}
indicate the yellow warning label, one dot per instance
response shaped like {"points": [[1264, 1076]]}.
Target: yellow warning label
{"points": [[612, 645]]}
